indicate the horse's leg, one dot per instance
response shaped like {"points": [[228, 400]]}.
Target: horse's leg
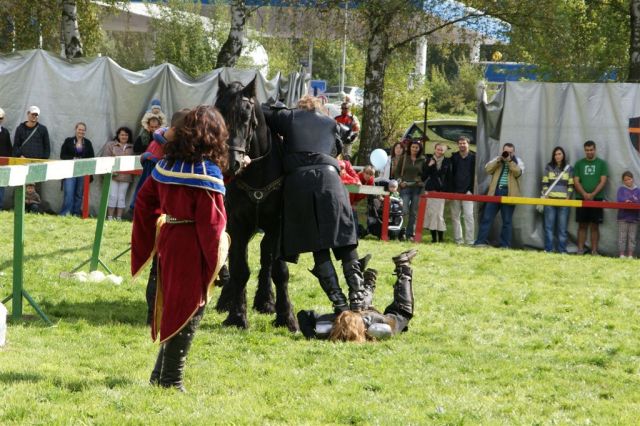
{"points": [[224, 301], [263, 301], [284, 310], [239, 275]]}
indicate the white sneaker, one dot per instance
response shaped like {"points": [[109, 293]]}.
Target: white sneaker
{"points": [[622, 256]]}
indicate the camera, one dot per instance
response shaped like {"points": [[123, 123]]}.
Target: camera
{"points": [[506, 154]]}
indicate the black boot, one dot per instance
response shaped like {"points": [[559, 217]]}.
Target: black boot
{"points": [[364, 262], [157, 369], [326, 274], [370, 277], [440, 236], [355, 281], [175, 354], [152, 283], [405, 257], [434, 237], [402, 293]]}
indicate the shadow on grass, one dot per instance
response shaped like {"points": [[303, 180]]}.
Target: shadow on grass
{"points": [[99, 312], [10, 377], [28, 257], [71, 385]]}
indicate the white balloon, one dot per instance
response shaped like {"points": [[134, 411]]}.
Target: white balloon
{"points": [[378, 158]]}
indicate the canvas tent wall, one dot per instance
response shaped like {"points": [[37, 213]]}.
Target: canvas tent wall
{"points": [[536, 117], [106, 96]]}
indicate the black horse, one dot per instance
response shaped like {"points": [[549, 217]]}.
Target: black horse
{"points": [[253, 201]]}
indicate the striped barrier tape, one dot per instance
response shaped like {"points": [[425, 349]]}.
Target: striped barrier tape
{"points": [[39, 171], [422, 206]]}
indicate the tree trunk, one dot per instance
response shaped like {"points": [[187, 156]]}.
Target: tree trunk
{"points": [[634, 46], [232, 47], [377, 56], [72, 43]]}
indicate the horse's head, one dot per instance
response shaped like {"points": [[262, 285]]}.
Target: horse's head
{"points": [[237, 104]]}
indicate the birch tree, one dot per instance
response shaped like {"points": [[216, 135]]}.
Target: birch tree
{"points": [[232, 47], [70, 30]]}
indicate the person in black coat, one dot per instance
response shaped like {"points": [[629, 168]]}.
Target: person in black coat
{"points": [[31, 139], [317, 213], [5, 148], [72, 148], [436, 176]]}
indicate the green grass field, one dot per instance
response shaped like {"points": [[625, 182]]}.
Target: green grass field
{"points": [[499, 337]]}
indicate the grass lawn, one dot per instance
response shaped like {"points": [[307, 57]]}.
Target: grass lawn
{"points": [[499, 337]]}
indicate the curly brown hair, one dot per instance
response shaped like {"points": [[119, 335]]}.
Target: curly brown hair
{"points": [[201, 135], [348, 327]]}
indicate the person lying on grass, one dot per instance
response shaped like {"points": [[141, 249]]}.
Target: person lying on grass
{"points": [[368, 324]]}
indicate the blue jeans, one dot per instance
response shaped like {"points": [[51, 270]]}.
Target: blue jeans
{"points": [[490, 212], [1, 196], [73, 191], [555, 217], [410, 199]]}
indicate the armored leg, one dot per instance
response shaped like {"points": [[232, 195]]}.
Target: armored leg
{"points": [[355, 281], [402, 289], [370, 277]]}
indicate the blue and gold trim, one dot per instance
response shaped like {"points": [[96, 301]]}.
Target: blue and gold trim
{"points": [[205, 175]]}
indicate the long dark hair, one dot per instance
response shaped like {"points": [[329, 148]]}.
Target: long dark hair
{"points": [[552, 163], [392, 153], [202, 134]]}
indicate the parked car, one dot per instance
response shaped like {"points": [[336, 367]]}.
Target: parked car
{"points": [[443, 130], [334, 95]]}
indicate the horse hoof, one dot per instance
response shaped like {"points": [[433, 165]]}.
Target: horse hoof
{"points": [[288, 321], [222, 307], [233, 321], [265, 307]]}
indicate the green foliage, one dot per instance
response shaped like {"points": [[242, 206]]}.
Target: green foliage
{"points": [[43, 18], [402, 104], [182, 39], [498, 337], [455, 94], [575, 40], [131, 50]]}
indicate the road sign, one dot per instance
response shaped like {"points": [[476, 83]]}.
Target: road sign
{"points": [[318, 86]]}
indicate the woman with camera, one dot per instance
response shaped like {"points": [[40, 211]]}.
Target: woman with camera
{"points": [[505, 171], [409, 173]]}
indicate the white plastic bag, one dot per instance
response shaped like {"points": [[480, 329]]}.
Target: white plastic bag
{"points": [[3, 324]]}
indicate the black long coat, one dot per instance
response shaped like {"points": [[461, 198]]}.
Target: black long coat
{"points": [[317, 214]]}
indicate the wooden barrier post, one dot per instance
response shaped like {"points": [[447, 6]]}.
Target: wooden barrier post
{"points": [[422, 207], [384, 227], [85, 196]]}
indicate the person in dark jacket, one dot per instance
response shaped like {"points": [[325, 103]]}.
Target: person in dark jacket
{"points": [[5, 148], [31, 139], [73, 148], [317, 213], [436, 176], [463, 172]]}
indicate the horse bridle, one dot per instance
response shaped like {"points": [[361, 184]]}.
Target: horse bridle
{"points": [[250, 130]]}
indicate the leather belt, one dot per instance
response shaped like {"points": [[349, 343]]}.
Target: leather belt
{"points": [[175, 221]]}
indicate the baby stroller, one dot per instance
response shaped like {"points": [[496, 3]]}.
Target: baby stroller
{"points": [[374, 217]]}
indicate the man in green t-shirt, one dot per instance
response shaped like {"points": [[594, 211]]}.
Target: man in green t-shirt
{"points": [[590, 178]]}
